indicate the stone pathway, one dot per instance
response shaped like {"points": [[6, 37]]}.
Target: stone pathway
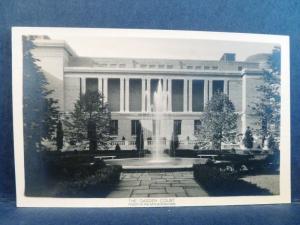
{"points": [[157, 184], [270, 182]]}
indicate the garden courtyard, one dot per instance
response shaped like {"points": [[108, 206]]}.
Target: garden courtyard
{"points": [[183, 184], [83, 174]]}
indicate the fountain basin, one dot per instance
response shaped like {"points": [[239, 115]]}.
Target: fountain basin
{"points": [[165, 164]]}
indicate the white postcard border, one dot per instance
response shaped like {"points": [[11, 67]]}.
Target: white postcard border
{"points": [[17, 84]]}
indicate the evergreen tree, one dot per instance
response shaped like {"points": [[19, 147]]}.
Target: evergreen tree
{"points": [[272, 144], [248, 139], [90, 121], [219, 121], [267, 109], [59, 136], [40, 114], [92, 135], [139, 142], [174, 144]]}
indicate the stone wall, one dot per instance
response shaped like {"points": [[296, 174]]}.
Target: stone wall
{"points": [[52, 59], [71, 92], [235, 88], [250, 96]]}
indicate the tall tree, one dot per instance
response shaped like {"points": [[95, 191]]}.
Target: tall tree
{"points": [[40, 112], [139, 142], [59, 136], [218, 122], [90, 121], [174, 144], [267, 108]]}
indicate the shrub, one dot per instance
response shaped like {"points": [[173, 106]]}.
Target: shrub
{"points": [[102, 178], [196, 147], [67, 167], [118, 148], [211, 174], [272, 144], [248, 139]]}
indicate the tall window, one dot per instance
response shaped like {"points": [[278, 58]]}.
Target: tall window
{"points": [[114, 127], [113, 92], [197, 126], [135, 95], [177, 127], [177, 95], [91, 85], [218, 86], [198, 95], [134, 126]]}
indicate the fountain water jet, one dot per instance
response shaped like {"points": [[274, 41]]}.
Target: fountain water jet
{"points": [[160, 125]]}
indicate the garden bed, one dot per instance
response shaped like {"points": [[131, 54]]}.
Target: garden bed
{"points": [[71, 175], [221, 179]]}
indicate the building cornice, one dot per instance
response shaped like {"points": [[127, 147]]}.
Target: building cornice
{"points": [[138, 71], [252, 72]]}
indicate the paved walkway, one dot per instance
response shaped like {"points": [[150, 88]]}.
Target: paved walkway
{"points": [[270, 182], [157, 184]]}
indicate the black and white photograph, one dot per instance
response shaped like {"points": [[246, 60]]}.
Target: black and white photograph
{"points": [[143, 118]]}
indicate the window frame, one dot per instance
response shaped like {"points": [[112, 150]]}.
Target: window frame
{"points": [[116, 129], [177, 127]]}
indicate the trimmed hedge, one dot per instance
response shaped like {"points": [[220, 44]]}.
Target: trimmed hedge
{"points": [[212, 174], [92, 184], [88, 154]]}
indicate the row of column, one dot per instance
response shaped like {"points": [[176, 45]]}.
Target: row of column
{"points": [[146, 92]]}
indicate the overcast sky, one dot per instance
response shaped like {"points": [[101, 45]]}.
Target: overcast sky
{"points": [[162, 48]]}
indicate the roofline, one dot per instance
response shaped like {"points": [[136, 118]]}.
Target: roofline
{"points": [[166, 59], [56, 44], [151, 71]]}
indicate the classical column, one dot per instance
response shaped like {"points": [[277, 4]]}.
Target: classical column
{"points": [[164, 88], [190, 95], [148, 95], [185, 95], [210, 93], [165, 85], [143, 94], [121, 94], [105, 91], [100, 85], [226, 87], [205, 92], [83, 85], [170, 95], [126, 94]]}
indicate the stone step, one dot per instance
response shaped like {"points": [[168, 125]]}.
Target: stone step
{"points": [[143, 169]]}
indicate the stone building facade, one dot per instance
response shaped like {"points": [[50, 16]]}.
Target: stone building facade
{"points": [[128, 86]]}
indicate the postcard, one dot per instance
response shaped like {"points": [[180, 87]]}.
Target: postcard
{"points": [[150, 118]]}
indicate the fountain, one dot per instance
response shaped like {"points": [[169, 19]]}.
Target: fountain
{"points": [[159, 119], [161, 133]]}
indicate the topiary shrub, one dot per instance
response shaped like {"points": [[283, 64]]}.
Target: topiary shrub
{"points": [[248, 139], [118, 148]]}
